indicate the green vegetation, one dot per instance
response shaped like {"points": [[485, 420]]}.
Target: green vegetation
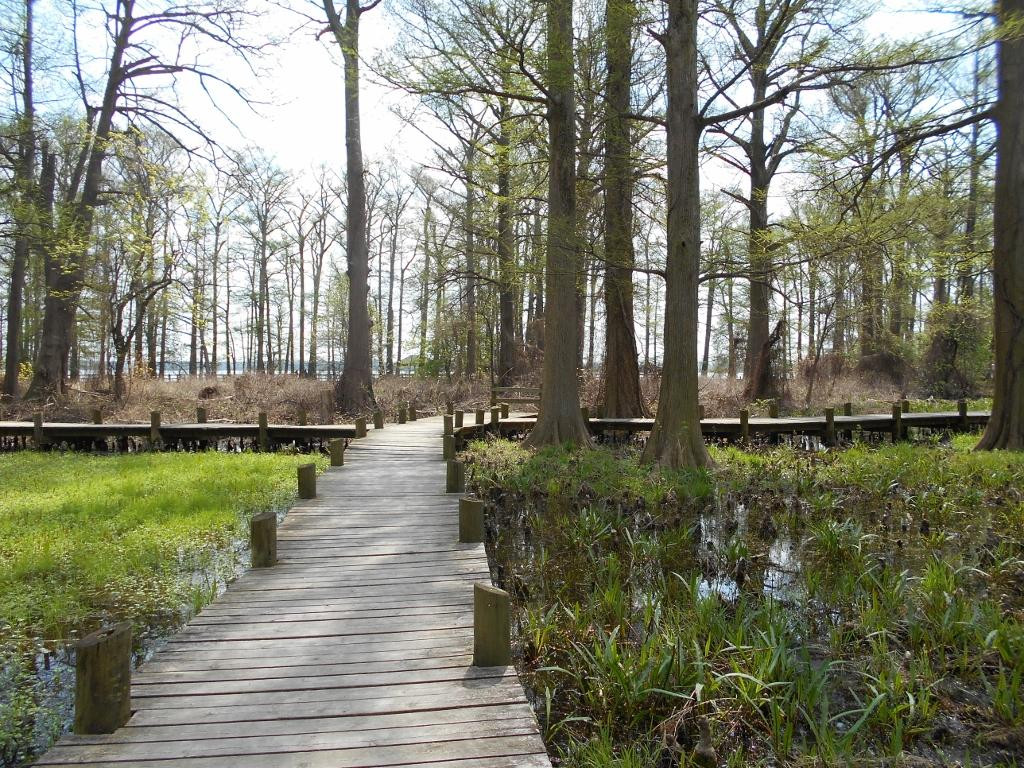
{"points": [[838, 606], [86, 539]]}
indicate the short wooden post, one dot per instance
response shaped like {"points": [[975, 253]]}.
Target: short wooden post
{"points": [[103, 680], [494, 397], [403, 414], [200, 415], [361, 426], [97, 416], [412, 413], [905, 406], [378, 419], [448, 447], [449, 408], [455, 480], [492, 627], [745, 426], [307, 481], [154, 427], [480, 415], [961, 409], [700, 412], [848, 411], [495, 416], [264, 437], [449, 424], [830, 426], [773, 409], [585, 413], [471, 520], [336, 447], [263, 539], [460, 419], [897, 422], [37, 430], [504, 410]]}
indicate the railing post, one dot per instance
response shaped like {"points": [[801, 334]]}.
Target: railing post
{"points": [[848, 411], [504, 410], [830, 426], [492, 628], [264, 437], [773, 409], [378, 419], [480, 415], [745, 426], [448, 447], [905, 406], [307, 481], [471, 520], [263, 539], [37, 431], [449, 424], [449, 407], [200, 415], [412, 412], [700, 411], [103, 680], [336, 447], [97, 415], [361, 426], [460, 418], [585, 413], [495, 416], [403, 414], [961, 409], [455, 479], [154, 428], [303, 417], [897, 422]]}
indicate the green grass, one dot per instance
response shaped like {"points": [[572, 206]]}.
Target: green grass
{"points": [[898, 631], [86, 538]]}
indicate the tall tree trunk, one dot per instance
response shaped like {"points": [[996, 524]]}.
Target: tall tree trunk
{"points": [[506, 257], [560, 420], [1006, 427], [391, 299], [472, 362], [622, 395], [354, 390], [26, 210], [709, 314], [676, 439]]}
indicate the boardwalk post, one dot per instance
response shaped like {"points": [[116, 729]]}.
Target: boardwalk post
{"points": [[905, 406], [830, 426], [200, 415], [479, 415], [412, 412], [154, 428], [745, 426], [961, 409], [448, 447], [361, 426], [103, 680], [455, 480], [307, 481], [504, 410], [495, 416], [449, 424], [403, 414], [263, 539], [848, 411], [449, 407], [585, 413], [378, 419], [471, 520], [37, 431], [264, 438], [700, 412], [773, 409], [303, 417], [97, 415], [336, 447], [460, 418], [897, 422], [492, 633]]}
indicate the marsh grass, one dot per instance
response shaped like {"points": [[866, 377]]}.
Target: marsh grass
{"points": [[149, 538], [832, 608]]}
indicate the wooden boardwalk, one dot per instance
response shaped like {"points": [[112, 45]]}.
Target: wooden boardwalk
{"points": [[355, 650]]}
